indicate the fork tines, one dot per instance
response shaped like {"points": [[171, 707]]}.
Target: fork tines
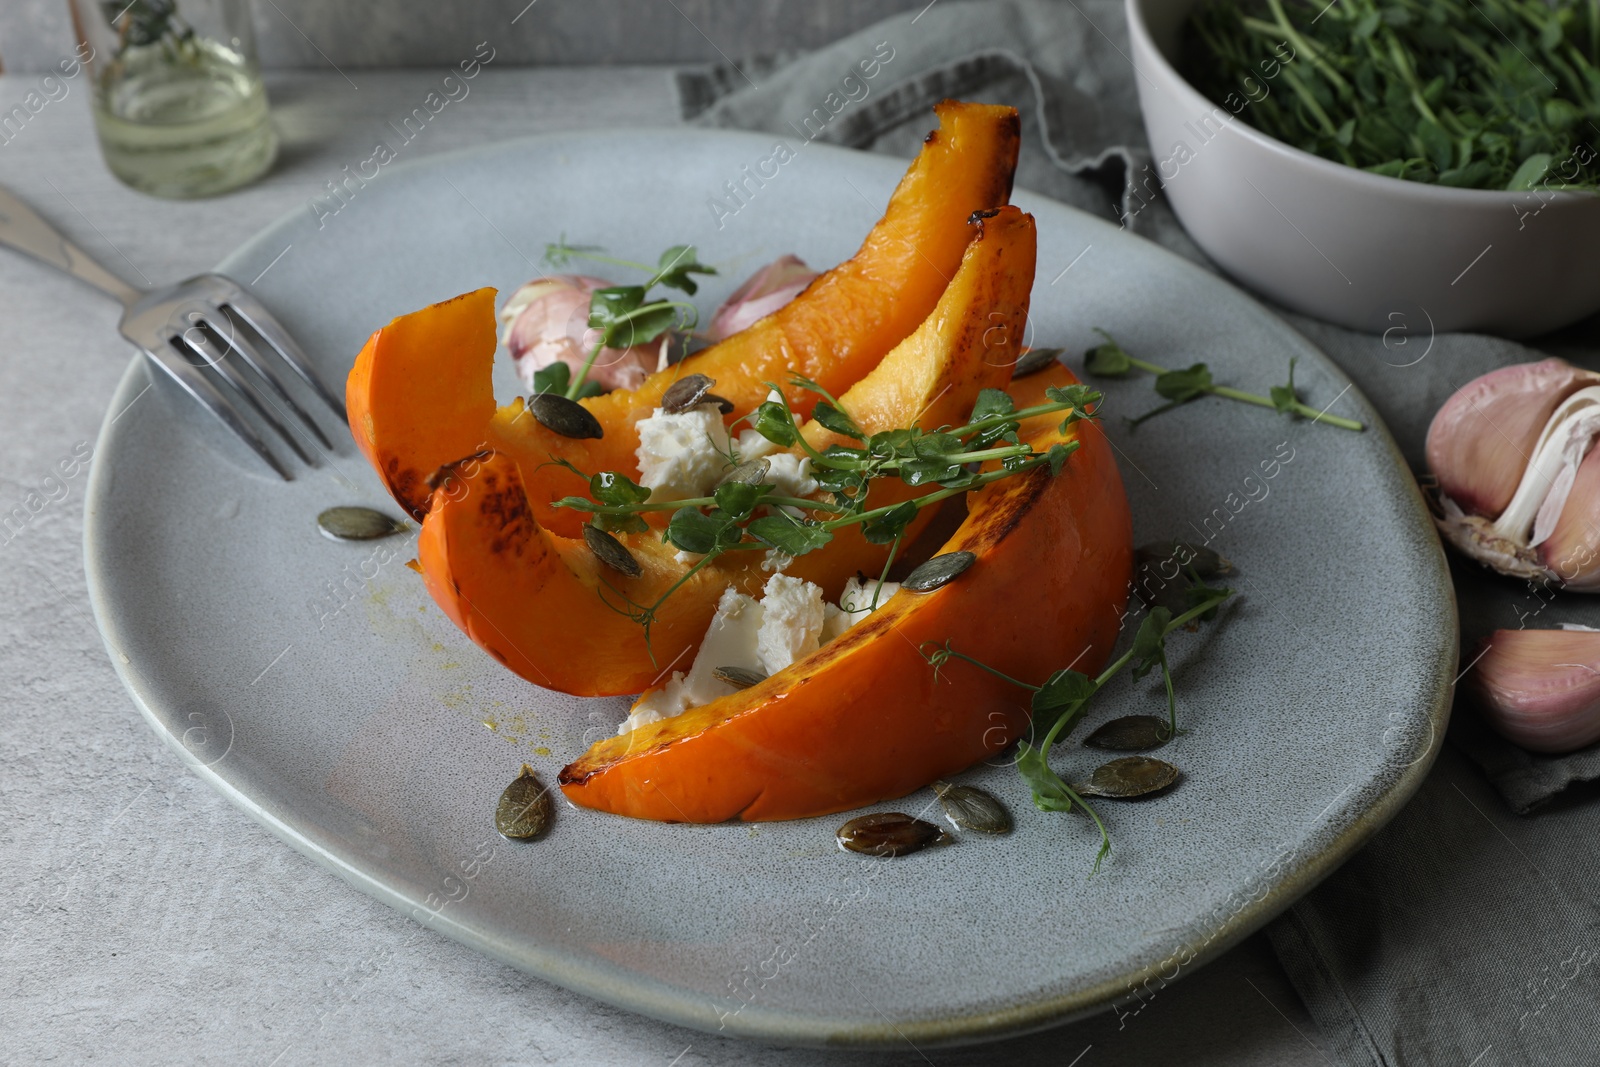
{"points": [[206, 332]]}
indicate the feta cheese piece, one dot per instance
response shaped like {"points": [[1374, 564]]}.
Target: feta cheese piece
{"points": [[753, 446], [791, 621], [682, 455], [763, 635], [671, 699], [855, 603], [730, 642], [790, 475]]}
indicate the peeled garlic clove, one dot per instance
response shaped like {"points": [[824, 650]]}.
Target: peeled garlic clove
{"points": [[1509, 452], [547, 321], [1541, 688], [1480, 441], [764, 292]]}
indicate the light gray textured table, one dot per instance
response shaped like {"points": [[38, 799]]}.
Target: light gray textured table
{"points": [[143, 919]]}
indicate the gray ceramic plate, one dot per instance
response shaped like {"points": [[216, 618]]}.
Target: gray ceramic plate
{"points": [[316, 685]]}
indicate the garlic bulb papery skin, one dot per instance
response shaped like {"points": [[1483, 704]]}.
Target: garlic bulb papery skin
{"points": [[1519, 480], [764, 292], [1541, 688], [547, 321]]}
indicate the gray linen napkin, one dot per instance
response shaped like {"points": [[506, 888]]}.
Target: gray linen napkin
{"points": [[1460, 936]]}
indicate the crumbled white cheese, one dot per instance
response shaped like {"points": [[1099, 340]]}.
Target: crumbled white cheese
{"points": [[790, 475], [791, 621], [730, 642], [788, 623], [682, 455], [855, 604], [753, 446]]}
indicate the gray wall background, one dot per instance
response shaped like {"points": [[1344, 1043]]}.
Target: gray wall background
{"points": [[389, 33]]}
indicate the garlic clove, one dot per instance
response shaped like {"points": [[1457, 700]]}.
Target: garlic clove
{"points": [[547, 321], [764, 292], [1572, 550], [1481, 440], [1541, 688]]}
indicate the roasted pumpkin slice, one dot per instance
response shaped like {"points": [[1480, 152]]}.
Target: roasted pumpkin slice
{"points": [[543, 605], [865, 719], [420, 395]]}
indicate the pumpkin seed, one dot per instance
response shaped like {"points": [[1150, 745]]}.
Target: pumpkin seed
{"points": [[971, 808], [685, 393], [1035, 360], [1130, 776], [888, 834], [565, 417], [739, 677], [608, 550], [750, 472], [938, 571], [524, 809], [1131, 733], [724, 405], [1206, 562], [357, 524]]}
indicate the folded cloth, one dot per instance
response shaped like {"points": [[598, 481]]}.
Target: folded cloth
{"points": [[1458, 936]]}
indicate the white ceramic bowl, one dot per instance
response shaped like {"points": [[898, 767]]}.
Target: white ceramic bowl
{"points": [[1357, 249]]}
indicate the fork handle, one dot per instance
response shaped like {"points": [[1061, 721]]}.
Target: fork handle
{"points": [[23, 229]]}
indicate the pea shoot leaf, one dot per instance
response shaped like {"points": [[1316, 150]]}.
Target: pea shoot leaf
{"points": [[992, 403], [617, 489], [933, 446], [1058, 454], [890, 525], [641, 326], [774, 422], [1181, 386], [610, 305], [1107, 359], [704, 532], [788, 535], [929, 471], [1150, 642], [836, 420], [676, 265], [1084, 400], [739, 499], [555, 378], [1063, 695], [621, 523], [1049, 790]]}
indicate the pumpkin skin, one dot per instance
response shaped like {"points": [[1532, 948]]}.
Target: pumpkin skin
{"points": [[420, 394], [544, 606], [864, 719]]}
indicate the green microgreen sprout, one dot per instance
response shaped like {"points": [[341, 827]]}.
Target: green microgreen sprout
{"points": [[624, 314], [742, 517], [1483, 94], [1062, 700], [1178, 387]]}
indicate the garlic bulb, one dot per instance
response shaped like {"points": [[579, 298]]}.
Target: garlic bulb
{"points": [[547, 321], [1519, 483], [764, 292], [1541, 688]]}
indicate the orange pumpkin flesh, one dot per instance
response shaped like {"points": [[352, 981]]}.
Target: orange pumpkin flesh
{"points": [[864, 719], [543, 605], [419, 396]]}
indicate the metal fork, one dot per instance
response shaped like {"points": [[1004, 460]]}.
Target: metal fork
{"points": [[189, 328]]}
